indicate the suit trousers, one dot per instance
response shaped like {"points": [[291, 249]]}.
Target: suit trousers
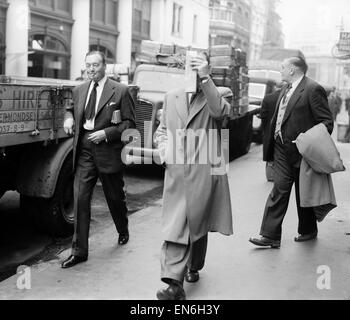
{"points": [[85, 179], [176, 256], [276, 207]]}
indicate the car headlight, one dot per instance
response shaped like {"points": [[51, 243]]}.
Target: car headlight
{"points": [[159, 114]]}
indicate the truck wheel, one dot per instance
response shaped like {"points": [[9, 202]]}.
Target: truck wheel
{"points": [[56, 213]]}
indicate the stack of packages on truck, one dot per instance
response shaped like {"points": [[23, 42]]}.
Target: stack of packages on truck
{"points": [[229, 69], [35, 152]]}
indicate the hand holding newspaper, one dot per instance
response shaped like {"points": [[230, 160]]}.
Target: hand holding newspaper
{"points": [[190, 74]]}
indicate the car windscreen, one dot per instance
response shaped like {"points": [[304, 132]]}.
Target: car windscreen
{"points": [[257, 90]]}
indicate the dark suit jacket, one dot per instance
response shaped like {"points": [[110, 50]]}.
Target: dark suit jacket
{"points": [[307, 107], [115, 96], [268, 108]]}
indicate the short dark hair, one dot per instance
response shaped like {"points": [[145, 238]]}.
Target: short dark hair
{"points": [[100, 53], [300, 63]]}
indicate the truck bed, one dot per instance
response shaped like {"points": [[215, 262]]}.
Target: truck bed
{"points": [[32, 111]]}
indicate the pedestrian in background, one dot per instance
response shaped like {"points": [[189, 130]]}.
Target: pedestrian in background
{"points": [[334, 102], [347, 108], [195, 200], [97, 150], [302, 104]]}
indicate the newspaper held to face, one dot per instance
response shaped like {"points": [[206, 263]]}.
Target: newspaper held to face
{"points": [[190, 74]]}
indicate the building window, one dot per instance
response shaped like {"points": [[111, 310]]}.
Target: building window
{"points": [[112, 11], [195, 28], [108, 53], [45, 3], [141, 24], [104, 12], [48, 57], [177, 19], [64, 6]]}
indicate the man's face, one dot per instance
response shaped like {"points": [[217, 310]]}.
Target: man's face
{"points": [[96, 69], [286, 71]]}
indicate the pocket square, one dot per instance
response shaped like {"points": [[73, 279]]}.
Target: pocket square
{"points": [[111, 104]]}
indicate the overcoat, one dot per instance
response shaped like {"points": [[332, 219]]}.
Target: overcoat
{"points": [[196, 190], [319, 161]]}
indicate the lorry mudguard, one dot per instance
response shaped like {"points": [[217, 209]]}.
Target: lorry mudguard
{"points": [[39, 169]]}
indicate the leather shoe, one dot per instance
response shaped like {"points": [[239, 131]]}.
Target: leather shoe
{"points": [[306, 237], [173, 292], [266, 242], [72, 261], [123, 238], [191, 275]]}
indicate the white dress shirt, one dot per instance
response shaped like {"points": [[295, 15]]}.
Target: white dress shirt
{"points": [[294, 86], [90, 124]]}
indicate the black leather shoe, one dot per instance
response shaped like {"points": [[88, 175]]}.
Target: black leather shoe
{"points": [[191, 275], [72, 261], [306, 237], [173, 292], [266, 242], [123, 238]]}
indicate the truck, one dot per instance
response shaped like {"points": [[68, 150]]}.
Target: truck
{"points": [[154, 80], [35, 152]]}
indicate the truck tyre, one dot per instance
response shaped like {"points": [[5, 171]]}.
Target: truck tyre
{"points": [[57, 212], [54, 215]]}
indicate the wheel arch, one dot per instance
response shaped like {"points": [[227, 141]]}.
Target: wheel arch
{"points": [[39, 170]]}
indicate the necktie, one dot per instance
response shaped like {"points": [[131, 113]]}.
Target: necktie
{"points": [[286, 93], [90, 108], [281, 111]]}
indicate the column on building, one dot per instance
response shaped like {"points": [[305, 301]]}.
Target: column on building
{"points": [[80, 37], [158, 16], [17, 26], [125, 32]]}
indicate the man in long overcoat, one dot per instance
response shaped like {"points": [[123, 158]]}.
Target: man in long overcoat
{"points": [[196, 197]]}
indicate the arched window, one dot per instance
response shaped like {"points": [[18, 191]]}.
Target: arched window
{"points": [[108, 53], [48, 57]]}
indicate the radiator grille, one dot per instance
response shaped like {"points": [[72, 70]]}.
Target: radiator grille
{"points": [[144, 113]]}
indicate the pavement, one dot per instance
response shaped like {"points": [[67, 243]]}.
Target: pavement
{"points": [[235, 269]]}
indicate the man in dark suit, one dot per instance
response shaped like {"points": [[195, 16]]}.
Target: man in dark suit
{"points": [[301, 105], [97, 150]]}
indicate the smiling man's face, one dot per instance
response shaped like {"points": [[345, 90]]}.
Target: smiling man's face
{"points": [[96, 69]]}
